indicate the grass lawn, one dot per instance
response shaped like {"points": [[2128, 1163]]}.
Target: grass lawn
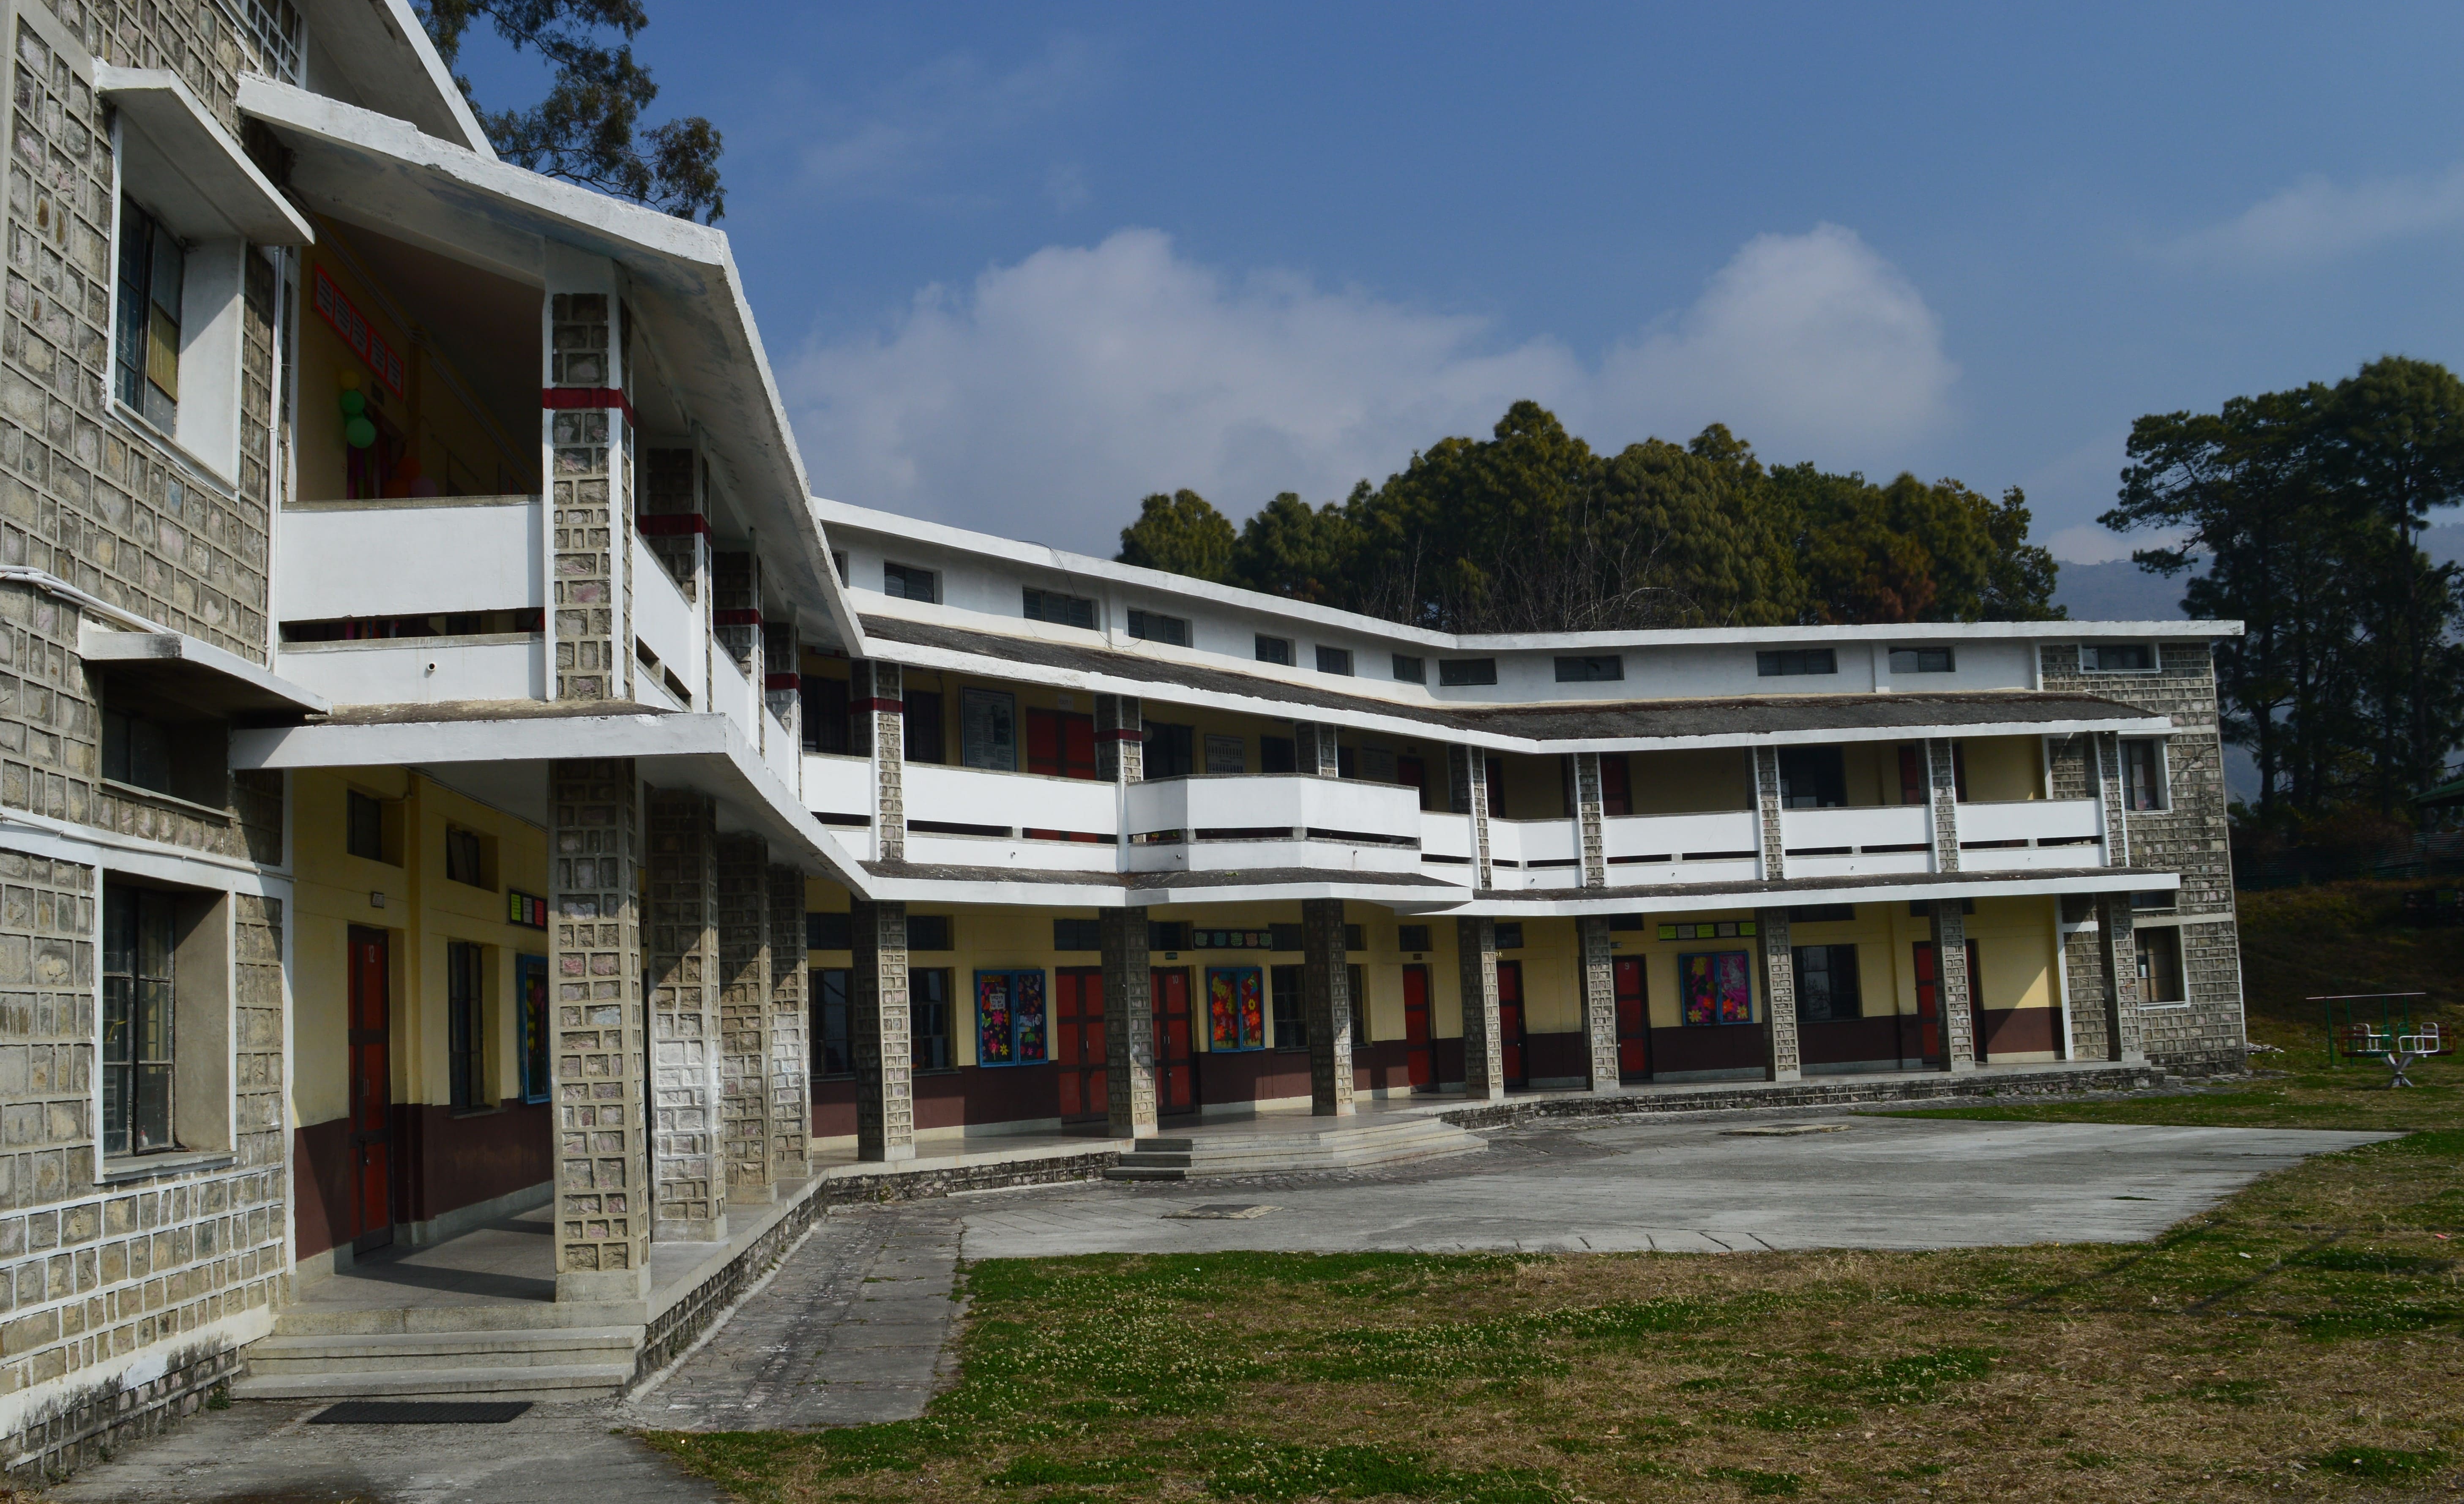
{"points": [[2304, 1341]]}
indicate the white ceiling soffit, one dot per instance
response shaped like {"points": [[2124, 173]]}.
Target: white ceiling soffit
{"points": [[365, 168], [384, 55], [178, 161]]}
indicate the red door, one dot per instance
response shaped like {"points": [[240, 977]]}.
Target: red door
{"points": [[1175, 1049], [1633, 1021], [1061, 744], [1417, 1063], [371, 1036], [1509, 1019], [1929, 1004], [1078, 1036]]}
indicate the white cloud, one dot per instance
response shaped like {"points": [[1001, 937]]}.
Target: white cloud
{"points": [[2315, 220], [1043, 400], [952, 106]]}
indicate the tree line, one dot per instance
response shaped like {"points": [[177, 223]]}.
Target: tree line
{"points": [[1530, 530]]}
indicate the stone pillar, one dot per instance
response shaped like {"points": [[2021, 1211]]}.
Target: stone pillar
{"points": [[735, 606], [790, 1111], [1782, 1062], [674, 518], [1129, 1020], [885, 1049], [683, 944], [877, 713], [1315, 751], [603, 1175], [590, 632], [1599, 1002], [1950, 966], [2119, 944], [2106, 768], [1767, 803], [1468, 794], [744, 1004], [1484, 1041], [1589, 836], [1120, 744], [1326, 999], [1942, 792]]}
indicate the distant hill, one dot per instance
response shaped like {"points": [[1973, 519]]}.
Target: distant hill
{"points": [[2120, 591]]}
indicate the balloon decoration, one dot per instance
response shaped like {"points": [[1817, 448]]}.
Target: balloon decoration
{"points": [[358, 432]]}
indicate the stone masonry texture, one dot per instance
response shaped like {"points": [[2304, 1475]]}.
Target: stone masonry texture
{"points": [[744, 1015], [885, 1068], [1483, 1033], [603, 1207], [1325, 1001], [790, 1115], [1779, 994], [1952, 989], [1599, 1002], [681, 939], [1129, 1023]]}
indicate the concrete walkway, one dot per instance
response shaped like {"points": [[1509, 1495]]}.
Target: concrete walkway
{"points": [[853, 1325]]}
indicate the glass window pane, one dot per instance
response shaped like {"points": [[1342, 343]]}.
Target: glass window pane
{"points": [[150, 1121]]}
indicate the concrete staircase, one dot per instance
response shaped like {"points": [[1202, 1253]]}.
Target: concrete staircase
{"points": [[466, 1352], [1280, 1149]]}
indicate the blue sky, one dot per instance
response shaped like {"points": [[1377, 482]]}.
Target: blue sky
{"points": [[1017, 266]]}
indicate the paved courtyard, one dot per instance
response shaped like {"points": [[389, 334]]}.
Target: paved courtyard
{"points": [[853, 1327]]}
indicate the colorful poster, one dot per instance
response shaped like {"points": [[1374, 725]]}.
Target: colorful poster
{"points": [[993, 1045], [1236, 1006], [1027, 1000], [1717, 988]]}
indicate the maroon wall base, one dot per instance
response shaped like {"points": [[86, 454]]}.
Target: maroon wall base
{"points": [[1729, 1047], [320, 1155], [2017, 1031], [443, 1161], [1840, 1042]]}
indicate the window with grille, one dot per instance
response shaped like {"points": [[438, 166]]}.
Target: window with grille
{"points": [[136, 750], [1797, 661], [1292, 1022], [1049, 605], [1411, 937], [1334, 661], [2118, 658], [138, 935], [1923, 661], [1154, 626], [1077, 935], [2143, 773], [834, 1022], [928, 1002], [465, 1034], [147, 359], [1457, 673], [1274, 649], [909, 583], [1826, 984]]}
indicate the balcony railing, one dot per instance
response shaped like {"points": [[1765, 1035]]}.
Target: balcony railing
{"points": [[2030, 833], [1861, 842], [1231, 823], [676, 634], [1719, 846]]}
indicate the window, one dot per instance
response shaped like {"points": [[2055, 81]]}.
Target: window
{"points": [[1170, 751], [1274, 649], [1822, 913], [1923, 661], [1011, 1023], [465, 1032], [1284, 937], [1411, 670], [1291, 1020], [909, 583], [1826, 984], [1797, 661], [1153, 626], [138, 940], [828, 931], [466, 858], [1813, 778], [1458, 672], [152, 272], [928, 1015], [2118, 658], [530, 985], [1617, 785], [1334, 661], [921, 726], [1167, 934], [136, 750], [1046, 605], [988, 730], [2154, 901], [1356, 989], [1597, 669], [929, 932], [825, 715], [1411, 937], [1235, 1008], [2143, 773], [833, 1006], [2159, 966], [1077, 935], [1510, 936], [1714, 989], [1922, 909], [1278, 754], [364, 826], [1226, 755]]}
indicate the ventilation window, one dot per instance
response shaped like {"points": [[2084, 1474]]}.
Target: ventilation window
{"points": [[1458, 672], [1923, 661], [1591, 669], [1045, 605], [1797, 661], [1154, 626], [1411, 670], [2118, 658], [910, 583], [1334, 661], [1274, 649]]}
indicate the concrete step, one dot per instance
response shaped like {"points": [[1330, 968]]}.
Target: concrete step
{"points": [[1263, 1152], [312, 1318], [546, 1382], [363, 1353]]}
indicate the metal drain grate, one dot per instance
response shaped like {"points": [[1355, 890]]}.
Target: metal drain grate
{"points": [[420, 1412]]}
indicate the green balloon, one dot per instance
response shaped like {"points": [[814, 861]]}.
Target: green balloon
{"points": [[359, 433], [354, 404]]}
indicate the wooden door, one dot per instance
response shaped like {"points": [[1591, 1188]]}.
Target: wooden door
{"points": [[1417, 1063], [371, 1068], [1059, 744], [1929, 1004], [1078, 1037], [1176, 1046], [1633, 1021], [1509, 1019]]}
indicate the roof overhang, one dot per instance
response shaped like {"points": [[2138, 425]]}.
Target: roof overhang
{"points": [[1916, 887], [385, 57], [196, 674], [179, 162]]}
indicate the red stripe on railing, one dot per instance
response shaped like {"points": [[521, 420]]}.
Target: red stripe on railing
{"points": [[557, 399], [783, 682], [673, 524], [883, 706], [736, 615]]}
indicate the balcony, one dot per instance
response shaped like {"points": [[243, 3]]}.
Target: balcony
{"points": [[672, 634], [1859, 842], [1231, 823], [1720, 847], [2024, 834]]}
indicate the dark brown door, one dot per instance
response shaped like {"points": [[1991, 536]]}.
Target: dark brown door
{"points": [[1078, 1030], [1417, 1063], [371, 1067], [1509, 1019], [1633, 1020], [1176, 1048]]}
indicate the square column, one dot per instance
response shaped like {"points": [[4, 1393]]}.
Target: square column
{"points": [[1599, 1001], [1120, 748], [791, 1062], [1766, 806], [2119, 940], [877, 727], [1954, 984], [603, 1176], [1942, 792], [1589, 836], [588, 461], [1484, 1043], [1326, 1000], [1467, 795], [885, 1047], [1128, 1021], [692, 1178], [745, 1016], [1782, 1062]]}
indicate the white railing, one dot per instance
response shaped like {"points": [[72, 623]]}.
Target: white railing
{"points": [[1716, 846], [1445, 846], [780, 749], [416, 670], [668, 623], [1859, 842], [1214, 824], [2022, 834], [734, 695], [1008, 802], [408, 558], [835, 785]]}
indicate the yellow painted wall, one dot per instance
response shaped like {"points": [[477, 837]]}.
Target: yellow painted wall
{"points": [[2004, 768], [1690, 782]]}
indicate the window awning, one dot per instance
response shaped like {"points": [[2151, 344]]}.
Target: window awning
{"points": [[198, 675], [179, 162]]}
